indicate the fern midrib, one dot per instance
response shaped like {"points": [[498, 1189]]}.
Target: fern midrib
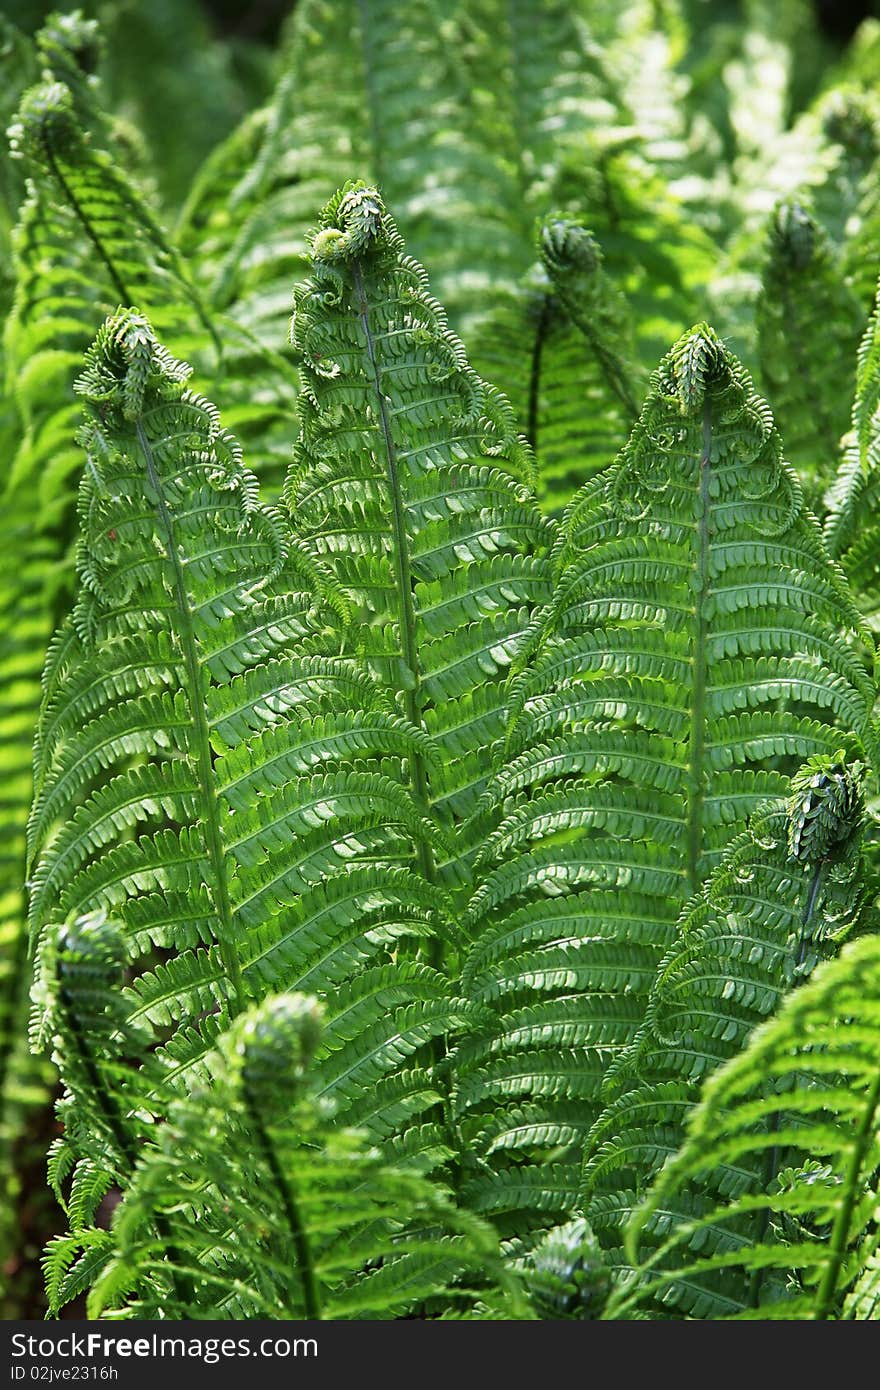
{"points": [[697, 751], [210, 816], [535, 371], [840, 1231], [403, 587], [85, 223], [771, 1168], [607, 365]]}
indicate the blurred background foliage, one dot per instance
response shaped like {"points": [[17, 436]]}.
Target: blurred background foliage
{"points": [[712, 147]]}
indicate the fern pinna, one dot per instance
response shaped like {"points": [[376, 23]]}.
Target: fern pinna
{"points": [[801, 1242]]}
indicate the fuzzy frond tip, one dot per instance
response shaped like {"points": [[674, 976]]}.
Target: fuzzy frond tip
{"points": [[126, 362]]}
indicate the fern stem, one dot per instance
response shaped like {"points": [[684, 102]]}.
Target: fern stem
{"points": [[771, 1167], [211, 819], [403, 584], [535, 371], [696, 789], [840, 1230], [99, 1093], [609, 367], [121, 291], [292, 1214]]}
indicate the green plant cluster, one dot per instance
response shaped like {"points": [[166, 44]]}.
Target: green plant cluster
{"points": [[439, 857]]}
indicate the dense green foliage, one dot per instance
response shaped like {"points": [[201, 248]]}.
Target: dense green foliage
{"points": [[430, 833]]}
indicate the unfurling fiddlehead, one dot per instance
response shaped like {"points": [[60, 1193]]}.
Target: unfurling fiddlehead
{"points": [[567, 1274], [273, 1046], [825, 809], [573, 260]]}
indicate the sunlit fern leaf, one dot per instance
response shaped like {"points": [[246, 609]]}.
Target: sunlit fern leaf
{"points": [[242, 811], [807, 1084], [562, 344], [854, 499], [405, 87], [671, 76], [784, 896], [807, 318], [176, 563], [655, 254], [461, 115], [411, 485], [698, 648], [825, 162], [314, 1225], [782, 43]]}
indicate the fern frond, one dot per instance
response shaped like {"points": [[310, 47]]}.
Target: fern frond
{"points": [[806, 1087], [806, 317], [786, 893], [851, 527], [329, 1229], [463, 118], [563, 348], [405, 483], [205, 789], [699, 647], [173, 542]]}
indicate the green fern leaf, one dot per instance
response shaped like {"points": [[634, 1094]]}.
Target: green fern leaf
{"points": [[806, 317], [850, 530], [698, 648], [785, 895], [329, 1229], [405, 484], [816, 1063]]}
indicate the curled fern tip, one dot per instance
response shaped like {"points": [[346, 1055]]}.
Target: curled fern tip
{"points": [[825, 809], [125, 362], [352, 224], [46, 124]]}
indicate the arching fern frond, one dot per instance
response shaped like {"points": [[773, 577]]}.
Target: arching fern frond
{"points": [[410, 483], [241, 811], [176, 563], [698, 648], [807, 317], [786, 893], [315, 1224], [807, 1086]]}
